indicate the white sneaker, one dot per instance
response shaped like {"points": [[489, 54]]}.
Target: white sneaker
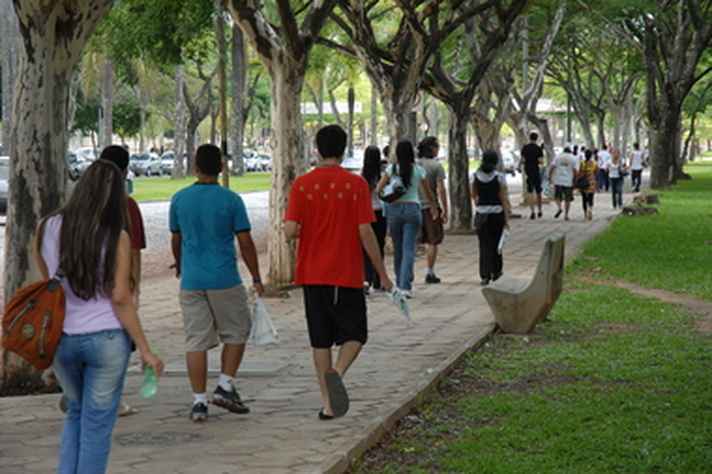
{"points": [[407, 293]]}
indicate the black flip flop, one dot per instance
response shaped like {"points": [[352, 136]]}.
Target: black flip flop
{"points": [[324, 417], [338, 397]]}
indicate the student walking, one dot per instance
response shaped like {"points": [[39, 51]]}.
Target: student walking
{"points": [[204, 220], [87, 244], [562, 173], [617, 171], [330, 213], [532, 156], [371, 172], [636, 167], [433, 229], [586, 183], [135, 228], [604, 160], [404, 215], [489, 194]]}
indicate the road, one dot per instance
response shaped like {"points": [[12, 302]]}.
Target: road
{"points": [[157, 257]]}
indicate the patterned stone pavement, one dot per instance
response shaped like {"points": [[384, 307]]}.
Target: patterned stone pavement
{"points": [[282, 434]]}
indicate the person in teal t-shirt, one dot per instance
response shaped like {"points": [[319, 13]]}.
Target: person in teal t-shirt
{"points": [[204, 220]]}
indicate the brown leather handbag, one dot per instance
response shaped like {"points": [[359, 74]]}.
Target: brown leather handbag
{"points": [[34, 319]]}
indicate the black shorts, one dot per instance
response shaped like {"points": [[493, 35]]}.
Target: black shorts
{"points": [[534, 183], [564, 193], [335, 315]]}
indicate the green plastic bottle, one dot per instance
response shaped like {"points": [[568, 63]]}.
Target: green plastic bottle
{"points": [[150, 383]]}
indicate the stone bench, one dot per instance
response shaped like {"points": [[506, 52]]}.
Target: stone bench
{"points": [[518, 304]]}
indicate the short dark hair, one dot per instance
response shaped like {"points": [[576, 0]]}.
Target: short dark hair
{"points": [[208, 160], [636, 145], [425, 147], [117, 155], [533, 136], [331, 141], [386, 149]]}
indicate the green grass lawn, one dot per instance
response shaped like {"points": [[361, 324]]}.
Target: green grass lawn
{"points": [[162, 189], [612, 383], [672, 250]]}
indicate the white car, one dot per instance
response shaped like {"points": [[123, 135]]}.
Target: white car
{"points": [[4, 178]]}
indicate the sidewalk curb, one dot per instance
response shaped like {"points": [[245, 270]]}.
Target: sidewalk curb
{"points": [[342, 460]]}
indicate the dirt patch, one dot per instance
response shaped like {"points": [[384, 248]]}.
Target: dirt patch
{"points": [[694, 305], [618, 328]]}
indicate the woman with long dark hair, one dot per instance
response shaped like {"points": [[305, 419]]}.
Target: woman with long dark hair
{"points": [[371, 172], [489, 193], [86, 244], [587, 179], [404, 214]]}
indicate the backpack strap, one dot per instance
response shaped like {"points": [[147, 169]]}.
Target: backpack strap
{"points": [[59, 274]]}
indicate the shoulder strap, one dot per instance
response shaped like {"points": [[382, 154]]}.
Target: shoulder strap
{"points": [[59, 274]]}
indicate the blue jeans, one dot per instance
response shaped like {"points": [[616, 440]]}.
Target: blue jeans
{"points": [[404, 222], [91, 368]]}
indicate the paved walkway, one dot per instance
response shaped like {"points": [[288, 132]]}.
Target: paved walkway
{"points": [[282, 434]]}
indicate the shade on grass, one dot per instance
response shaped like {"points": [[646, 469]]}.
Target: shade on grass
{"points": [[162, 189], [672, 250]]}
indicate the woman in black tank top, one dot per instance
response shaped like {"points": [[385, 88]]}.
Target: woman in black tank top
{"points": [[489, 193]]}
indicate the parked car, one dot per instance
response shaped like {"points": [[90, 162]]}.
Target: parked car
{"points": [[168, 161], [4, 177], [509, 162], [353, 162], [146, 164], [74, 167], [252, 162], [264, 162]]}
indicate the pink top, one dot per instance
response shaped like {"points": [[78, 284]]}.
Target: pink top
{"points": [[82, 317]]}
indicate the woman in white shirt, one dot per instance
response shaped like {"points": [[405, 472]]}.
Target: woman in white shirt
{"points": [[616, 171]]}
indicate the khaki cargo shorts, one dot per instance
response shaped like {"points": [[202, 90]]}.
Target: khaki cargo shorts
{"points": [[212, 316]]}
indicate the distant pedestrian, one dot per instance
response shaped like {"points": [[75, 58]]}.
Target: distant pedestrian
{"points": [[371, 172], [562, 173], [330, 214], [533, 156], [637, 164], [204, 220], [617, 171], [404, 215], [604, 160], [489, 194], [433, 230], [586, 183], [87, 243]]}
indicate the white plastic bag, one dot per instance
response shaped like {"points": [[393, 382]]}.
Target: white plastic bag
{"points": [[399, 299], [263, 331], [503, 240]]}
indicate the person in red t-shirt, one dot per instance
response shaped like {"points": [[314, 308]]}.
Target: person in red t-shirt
{"points": [[120, 157], [330, 213]]}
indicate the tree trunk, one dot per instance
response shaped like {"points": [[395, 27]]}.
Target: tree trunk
{"points": [[458, 173], [222, 88], [143, 107], [107, 103], [180, 123], [190, 137], [239, 87], [53, 38], [287, 147], [9, 46], [664, 147], [488, 134], [601, 124], [374, 115], [214, 112], [350, 121]]}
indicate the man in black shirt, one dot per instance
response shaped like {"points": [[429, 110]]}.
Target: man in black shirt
{"points": [[532, 158]]}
